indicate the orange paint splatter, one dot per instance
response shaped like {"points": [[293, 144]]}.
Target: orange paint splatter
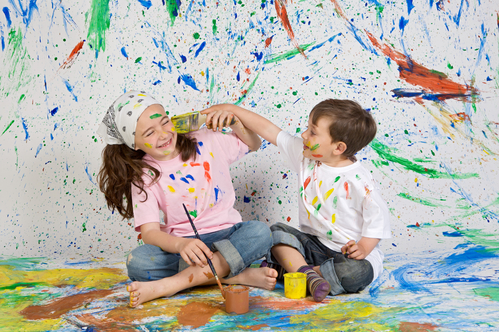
{"points": [[307, 181], [247, 71], [416, 74], [283, 15], [461, 117], [195, 164], [206, 166], [74, 54], [345, 185], [209, 275], [416, 327], [196, 314], [268, 41], [191, 277], [317, 155]]}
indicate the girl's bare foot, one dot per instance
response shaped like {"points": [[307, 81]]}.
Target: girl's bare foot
{"points": [[263, 277], [143, 291]]}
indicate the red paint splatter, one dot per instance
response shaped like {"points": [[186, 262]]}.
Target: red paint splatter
{"points": [[206, 166], [417, 224], [74, 54], [247, 71], [288, 219], [461, 116], [317, 155], [307, 181], [253, 193], [195, 164], [268, 41], [283, 15], [416, 74], [345, 185]]}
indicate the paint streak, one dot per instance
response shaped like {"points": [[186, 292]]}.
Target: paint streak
{"points": [[10, 124], [73, 55], [191, 277], [100, 20], [155, 116], [146, 3], [345, 185], [416, 327], [171, 189], [315, 147], [333, 218], [317, 155], [388, 153], [196, 314], [416, 74], [172, 6], [307, 181], [187, 79], [328, 193], [61, 306], [283, 15]]}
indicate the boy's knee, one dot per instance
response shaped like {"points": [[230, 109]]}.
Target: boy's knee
{"points": [[278, 227], [354, 275], [261, 232]]}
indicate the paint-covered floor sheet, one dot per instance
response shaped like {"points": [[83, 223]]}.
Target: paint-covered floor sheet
{"points": [[432, 291]]}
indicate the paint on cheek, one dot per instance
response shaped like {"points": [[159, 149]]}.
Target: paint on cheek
{"points": [[155, 116], [317, 155], [315, 147], [148, 145], [173, 129], [166, 153]]}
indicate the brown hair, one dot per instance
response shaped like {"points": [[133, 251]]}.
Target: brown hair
{"points": [[123, 167], [351, 124]]}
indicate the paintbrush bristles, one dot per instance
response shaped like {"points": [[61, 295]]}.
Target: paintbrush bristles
{"points": [[185, 123]]}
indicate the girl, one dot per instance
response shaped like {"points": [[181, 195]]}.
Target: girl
{"points": [[148, 167]]}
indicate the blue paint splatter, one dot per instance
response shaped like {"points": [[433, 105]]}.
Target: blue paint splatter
{"points": [[247, 199], [157, 82], [184, 180], [27, 13], [172, 177], [146, 3], [201, 47], [457, 18], [70, 89], [190, 177], [187, 79], [410, 6], [88, 174], [25, 126], [54, 111], [38, 150], [160, 65], [7, 16], [258, 56], [183, 58], [123, 51], [217, 190]]}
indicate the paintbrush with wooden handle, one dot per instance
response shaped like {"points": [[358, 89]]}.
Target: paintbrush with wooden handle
{"points": [[209, 260], [185, 123]]}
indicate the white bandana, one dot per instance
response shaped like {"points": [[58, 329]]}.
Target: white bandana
{"points": [[120, 121]]}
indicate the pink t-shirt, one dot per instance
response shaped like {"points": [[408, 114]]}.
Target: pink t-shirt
{"points": [[204, 185]]}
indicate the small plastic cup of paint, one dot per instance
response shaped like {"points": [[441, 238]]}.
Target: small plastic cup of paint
{"points": [[236, 299], [295, 285]]}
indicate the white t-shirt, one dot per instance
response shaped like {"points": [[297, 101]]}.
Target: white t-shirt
{"points": [[337, 204]]}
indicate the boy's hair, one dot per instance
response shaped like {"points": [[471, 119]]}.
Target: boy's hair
{"points": [[351, 124], [123, 167]]}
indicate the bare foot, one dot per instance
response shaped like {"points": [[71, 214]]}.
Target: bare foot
{"points": [[143, 291], [262, 277]]}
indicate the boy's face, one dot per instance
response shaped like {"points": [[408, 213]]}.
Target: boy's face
{"points": [[317, 142], [155, 134]]}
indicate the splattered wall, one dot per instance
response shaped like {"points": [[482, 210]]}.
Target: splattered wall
{"points": [[427, 70]]}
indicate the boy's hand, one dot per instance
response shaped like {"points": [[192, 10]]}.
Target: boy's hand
{"points": [[194, 252], [218, 118], [353, 250]]}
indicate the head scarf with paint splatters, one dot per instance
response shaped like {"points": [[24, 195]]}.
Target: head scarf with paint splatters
{"points": [[120, 121]]}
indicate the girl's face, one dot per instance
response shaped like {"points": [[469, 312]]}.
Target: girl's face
{"points": [[155, 134]]}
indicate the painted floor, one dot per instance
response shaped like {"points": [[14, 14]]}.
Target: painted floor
{"points": [[433, 291]]}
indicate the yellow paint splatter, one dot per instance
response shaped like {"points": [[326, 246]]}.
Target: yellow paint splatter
{"points": [[148, 145], [171, 189], [308, 214], [173, 129], [328, 193], [315, 200], [191, 190], [166, 153], [211, 154], [320, 184], [416, 180], [185, 165], [137, 105], [333, 218], [142, 95]]}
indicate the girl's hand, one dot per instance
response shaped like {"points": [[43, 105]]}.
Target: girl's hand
{"points": [[218, 118], [353, 250], [194, 252]]}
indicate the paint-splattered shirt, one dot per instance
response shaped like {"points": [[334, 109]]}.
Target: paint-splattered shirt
{"points": [[204, 185], [337, 204]]}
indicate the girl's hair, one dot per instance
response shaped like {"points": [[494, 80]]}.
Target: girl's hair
{"points": [[123, 167]]}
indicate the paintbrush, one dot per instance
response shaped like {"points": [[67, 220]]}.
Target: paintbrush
{"points": [[187, 122], [209, 260]]}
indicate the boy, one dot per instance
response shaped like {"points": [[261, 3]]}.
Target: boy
{"points": [[342, 217]]}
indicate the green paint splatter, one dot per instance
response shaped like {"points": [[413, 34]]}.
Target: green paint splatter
{"points": [[196, 35], [10, 124], [287, 55], [337, 179], [172, 8], [388, 153], [298, 130], [335, 202], [194, 213], [489, 292], [315, 147], [155, 116], [138, 59], [426, 202], [250, 87], [214, 28], [99, 23]]}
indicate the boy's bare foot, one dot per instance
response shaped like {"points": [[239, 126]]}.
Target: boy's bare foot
{"points": [[143, 291], [263, 277]]}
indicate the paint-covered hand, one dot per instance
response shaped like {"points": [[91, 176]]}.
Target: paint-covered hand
{"points": [[353, 250], [194, 252], [217, 117]]}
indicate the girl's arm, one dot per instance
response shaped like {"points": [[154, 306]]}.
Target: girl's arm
{"points": [[252, 122], [193, 251]]}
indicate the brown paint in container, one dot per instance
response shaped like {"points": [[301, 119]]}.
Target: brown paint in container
{"points": [[236, 299]]}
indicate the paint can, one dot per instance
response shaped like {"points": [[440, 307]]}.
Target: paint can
{"points": [[236, 299], [295, 285]]}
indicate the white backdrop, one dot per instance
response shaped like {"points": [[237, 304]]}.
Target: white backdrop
{"points": [[427, 70]]}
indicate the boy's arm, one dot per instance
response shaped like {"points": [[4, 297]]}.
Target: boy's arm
{"points": [[251, 121], [361, 249]]}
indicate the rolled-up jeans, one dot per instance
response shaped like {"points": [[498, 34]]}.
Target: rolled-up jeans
{"points": [[240, 245], [345, 275]]}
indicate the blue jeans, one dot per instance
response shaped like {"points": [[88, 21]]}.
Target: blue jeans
{"points": [[345, 275], [240, 245]]}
